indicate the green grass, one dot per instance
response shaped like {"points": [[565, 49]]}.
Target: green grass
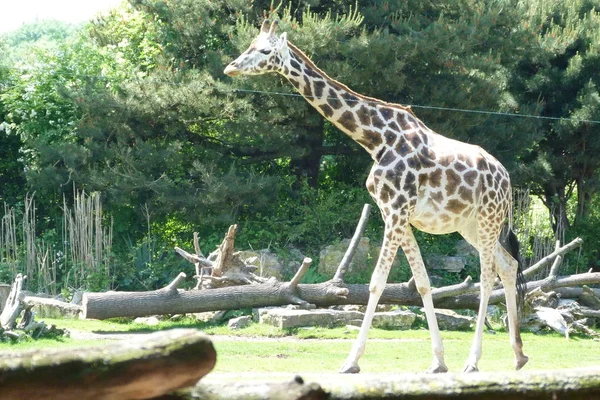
{"points": [[412, 354], [320, 350]]}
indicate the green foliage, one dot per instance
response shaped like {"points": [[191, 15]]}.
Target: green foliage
{"points": [[557, 76], [313, 276], [135, 106]]}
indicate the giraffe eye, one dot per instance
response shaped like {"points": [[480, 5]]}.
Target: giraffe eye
{"points": [[265, 51]]}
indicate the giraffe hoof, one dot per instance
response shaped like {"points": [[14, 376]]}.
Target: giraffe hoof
{"points": [[470, 368], [437, 369], [521, 362], [350, 369]]}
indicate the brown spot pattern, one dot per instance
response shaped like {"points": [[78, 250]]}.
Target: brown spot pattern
{"points": [[386, 113], [465, 193], [470, 178], [375, 120], [347, 121], [327, 111], [363, 116], [435, 178], [402, 120], [334, 101], [387, 158], [372, 137], [413, 162], [318, 87], [452, 181], [455, 206], [386, 193], [427, 158], [390, 138], [402, 147]]}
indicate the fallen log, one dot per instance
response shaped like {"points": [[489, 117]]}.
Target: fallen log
{"points": [[571, 384], [152, 366], [471, 300], [170, 300]]}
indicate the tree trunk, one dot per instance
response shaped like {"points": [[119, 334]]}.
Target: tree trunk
{"points": [[169, 300], [152, 366], [14, 304], [308, 164]]}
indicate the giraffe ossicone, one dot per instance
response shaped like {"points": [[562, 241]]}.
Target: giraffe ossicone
{"points": [[420, 179]]}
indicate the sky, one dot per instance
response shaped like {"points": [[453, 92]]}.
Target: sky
{"points": [[14, 13]]}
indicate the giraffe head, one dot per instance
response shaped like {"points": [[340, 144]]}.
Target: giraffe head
{"points": [[266, 53]]}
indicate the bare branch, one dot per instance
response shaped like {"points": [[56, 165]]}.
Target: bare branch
{"points": [[300, 274], [360, 229], [548, 259]]}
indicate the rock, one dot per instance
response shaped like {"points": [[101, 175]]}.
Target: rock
{"points": [[553, 319], [77, 297], [362, 308], [447, 263], [364, 259], [150, 321], [239, 322], [449, 320], [213, 317], [589, 299], [495, 312], [565, 303], [306, 306], [284, 318], [52, 308], [292, 261], [397, 319], [4, 292], [350, 307], [464, 249], [267, 263], [436, 280]]}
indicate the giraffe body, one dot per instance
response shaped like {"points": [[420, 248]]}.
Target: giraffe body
{"points": [[419, 179]]}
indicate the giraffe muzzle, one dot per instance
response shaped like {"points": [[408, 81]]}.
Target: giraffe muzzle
{"points": [[231, 70]]}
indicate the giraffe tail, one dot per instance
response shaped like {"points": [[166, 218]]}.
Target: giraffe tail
{"points": [[513, 247]]}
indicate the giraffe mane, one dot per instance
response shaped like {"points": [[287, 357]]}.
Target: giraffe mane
{"points": [[312, 65]]}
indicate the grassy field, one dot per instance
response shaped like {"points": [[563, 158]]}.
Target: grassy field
{"points": [[260, 348]]}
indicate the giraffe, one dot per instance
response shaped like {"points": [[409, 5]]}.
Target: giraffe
{"points": [[419, 179]]}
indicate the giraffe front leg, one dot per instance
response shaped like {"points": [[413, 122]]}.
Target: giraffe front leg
{"points": [[376, 287], [413, 255]]}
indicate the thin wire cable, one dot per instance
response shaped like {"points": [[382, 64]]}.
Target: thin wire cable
{"points": [[288, 94], [497, 113]]}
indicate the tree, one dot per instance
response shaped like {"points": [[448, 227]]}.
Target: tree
{"points": [[558, 76], [12, 180]]}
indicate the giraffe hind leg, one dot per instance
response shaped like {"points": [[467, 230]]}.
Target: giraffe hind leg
{"points": [[488, 277], [507, 270]]}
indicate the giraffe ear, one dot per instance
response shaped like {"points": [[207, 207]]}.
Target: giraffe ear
{"points": [[265, 26]]}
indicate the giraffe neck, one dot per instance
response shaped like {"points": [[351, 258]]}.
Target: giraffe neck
{"points": [[370, 122]]}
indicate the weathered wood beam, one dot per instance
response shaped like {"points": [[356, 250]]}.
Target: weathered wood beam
{"points": [[561, 384], [146, 368]]}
